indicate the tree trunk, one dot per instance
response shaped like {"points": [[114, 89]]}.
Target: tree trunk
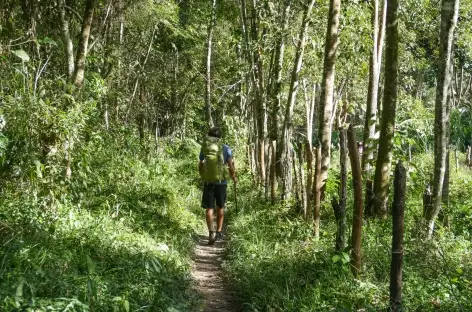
{"points": [[339, 206], [468, 156], [382, 168], [326, 105], [209, 44], [296, 179], [317, 194], [445, 194], [83, 43], [297, 66], [369, 194], [276, 95], [457, 160], [358, 204], [309, 181], [273, 174], [301, 175], [372, 93], [449, 14], [65, 32], [396, 267], [262, 161], [310, 103]]}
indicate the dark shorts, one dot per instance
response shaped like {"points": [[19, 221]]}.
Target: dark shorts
{"points": [[214, 193]]}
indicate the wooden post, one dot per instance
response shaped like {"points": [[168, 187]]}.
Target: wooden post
{"points": [[396, 267], [358, 201]]}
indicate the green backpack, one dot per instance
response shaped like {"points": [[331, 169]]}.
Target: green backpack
{"points": [[213, 165]]}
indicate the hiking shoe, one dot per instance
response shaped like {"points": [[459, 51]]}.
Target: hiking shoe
{"points": [[219, 236], [211, 238]]}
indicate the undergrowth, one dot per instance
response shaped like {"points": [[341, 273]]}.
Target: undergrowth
{"points": [[117, 236], [275, 264]]}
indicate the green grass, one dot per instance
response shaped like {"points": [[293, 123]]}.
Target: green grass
{"points": [[275, 265], [117, 237]]}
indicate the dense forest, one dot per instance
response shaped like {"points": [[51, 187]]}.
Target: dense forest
{"points": [[350, 124]]}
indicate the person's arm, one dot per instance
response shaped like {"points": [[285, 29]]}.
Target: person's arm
{"points": [[200, 163], [232, 170]]}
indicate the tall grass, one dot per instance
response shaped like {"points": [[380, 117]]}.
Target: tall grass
{"points": [[117, 237], [275, 264]]}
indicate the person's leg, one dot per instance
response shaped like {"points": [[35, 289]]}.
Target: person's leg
{"points": [[220, 197], [220, 215], [208, 202], [209, 219]]}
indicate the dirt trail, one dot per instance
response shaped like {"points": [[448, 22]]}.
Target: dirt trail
{"points": [[208, 273]]}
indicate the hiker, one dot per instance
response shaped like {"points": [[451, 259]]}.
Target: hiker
{"points": [[214, 156]]}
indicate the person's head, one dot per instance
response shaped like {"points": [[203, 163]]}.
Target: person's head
{"points": [[215, 132]]}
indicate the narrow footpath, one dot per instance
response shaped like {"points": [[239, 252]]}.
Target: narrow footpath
{"points": [[208, 273]]}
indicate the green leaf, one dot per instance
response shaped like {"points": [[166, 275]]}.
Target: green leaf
{"points": [[126, 305], [336, 258], [346, 258], [22, 55], [48, 40]]}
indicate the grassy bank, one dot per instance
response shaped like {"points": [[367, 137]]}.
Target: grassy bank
{"points": [[117, 237], [275, 264]]}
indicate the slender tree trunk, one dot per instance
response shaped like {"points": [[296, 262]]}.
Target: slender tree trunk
{"points": [[449, 14], [358, 204], [381, 41], [297, 66], [296, 179], [382, 168], [65, 32], [339, 206], [317, 194], [276, 95], [310, 103], [371, 110], [273, 174], [396, 267], [209, 45], [309, 181], [83, 43], [457, 160], [445, 194], [326, 105], [468, 156], [301, 175]]}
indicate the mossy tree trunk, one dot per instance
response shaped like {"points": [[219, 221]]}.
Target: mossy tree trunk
{"points": [[387, 124], [82, 48], [358, 201], [326, 105]]}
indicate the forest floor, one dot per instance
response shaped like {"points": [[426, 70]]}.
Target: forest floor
{"points": [[210, 282]]}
